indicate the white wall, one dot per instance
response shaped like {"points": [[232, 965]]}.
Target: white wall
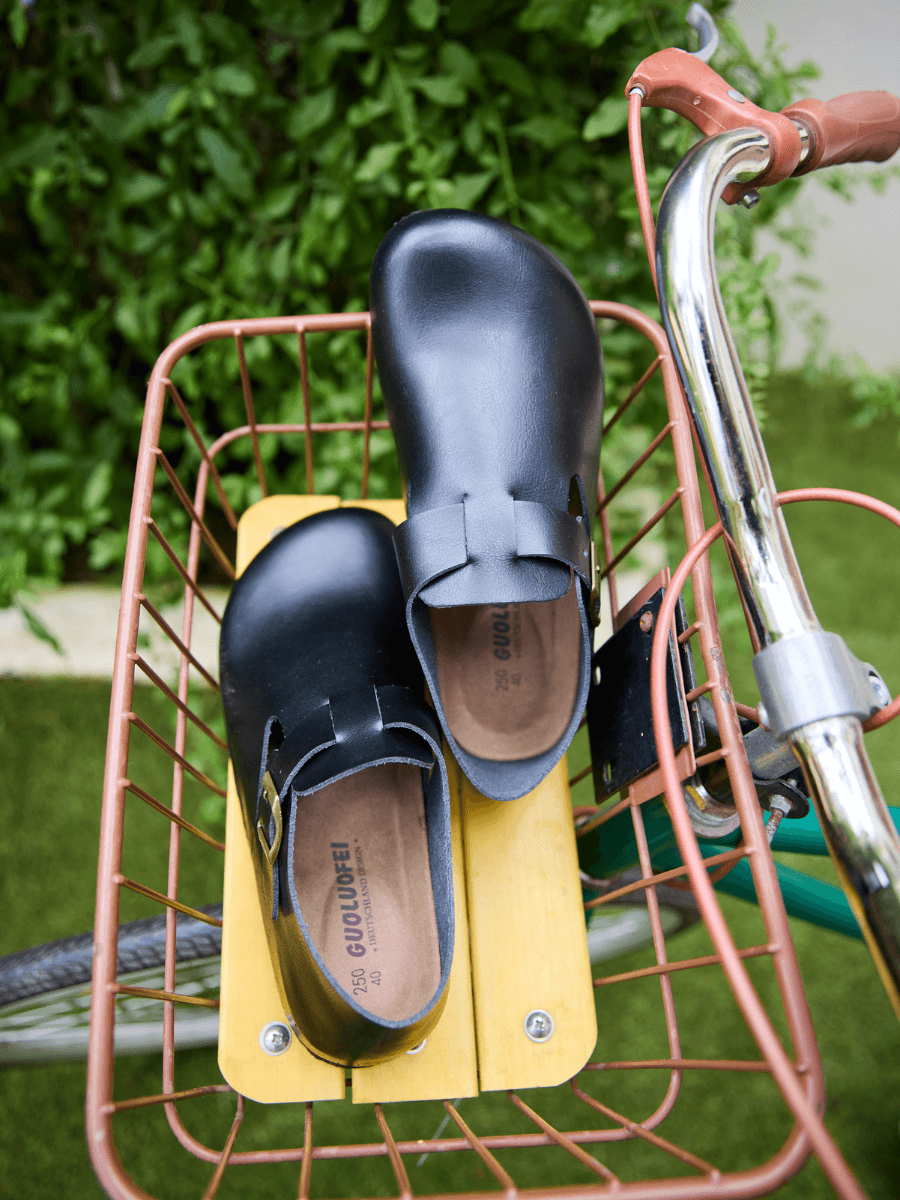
{"points": [[856, 43]]}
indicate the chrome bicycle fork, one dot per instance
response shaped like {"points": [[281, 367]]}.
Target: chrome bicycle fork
{"points": [[815, 693]]}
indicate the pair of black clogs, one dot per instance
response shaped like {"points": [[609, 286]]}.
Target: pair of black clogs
{"points": [[491, 370]]}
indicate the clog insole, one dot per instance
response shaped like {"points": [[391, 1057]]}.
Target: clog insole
{"points": [[377, 817], [508, 674]]}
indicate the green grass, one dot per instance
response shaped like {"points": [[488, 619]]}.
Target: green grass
{"points": [[53, 735]]}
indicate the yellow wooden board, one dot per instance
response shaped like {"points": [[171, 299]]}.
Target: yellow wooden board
{"points": [[394, 510], [446, 1066], [527, 929], [263, 520], [522, 949]]}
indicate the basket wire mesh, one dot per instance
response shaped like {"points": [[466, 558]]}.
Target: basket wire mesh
{"points": [[196, 476]]}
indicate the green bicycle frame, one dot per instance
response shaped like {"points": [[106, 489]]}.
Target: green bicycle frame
{"points": [[611, 848]]}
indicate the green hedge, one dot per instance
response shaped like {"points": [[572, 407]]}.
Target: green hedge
{"points": [[172, 162]]}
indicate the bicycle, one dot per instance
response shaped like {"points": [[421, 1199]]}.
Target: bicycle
{"points": [[800, 1081]]}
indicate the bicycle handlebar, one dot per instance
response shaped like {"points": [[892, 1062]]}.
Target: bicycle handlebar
{"points": [[676, 80], [797, 659], [859, 127]]}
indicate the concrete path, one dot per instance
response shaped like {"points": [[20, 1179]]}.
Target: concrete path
{"points": [[84, 620]]}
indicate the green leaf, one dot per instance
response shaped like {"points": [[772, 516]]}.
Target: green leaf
{"points": [[605, 17], [280, 262], [10, 429], [96, 489], [609, 117], [226, 162], [233, 80], [423, 13], [107, 548], [509, 72], [141, 188], [340, 41], [378, 159], [278, 202], [548, 131], [462, 63], [312, 113], [441, 89], [110, 125], [142, 240], [18, 23], [468, 189], [561, 223], [37, 146], [310, 19], [151, 54], [39, 629], [175, 105], [372, 13], [190, 35], [23, 83], [222, 30], [545, 14], [369, 109], [13, 575], [189, 319], [152, 112]]}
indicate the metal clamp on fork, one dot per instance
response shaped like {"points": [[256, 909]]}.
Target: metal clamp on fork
{"points": [[810, 677], [825, 734]]}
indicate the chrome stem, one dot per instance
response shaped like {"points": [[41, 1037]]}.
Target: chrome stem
{"points": [[848, 802]]}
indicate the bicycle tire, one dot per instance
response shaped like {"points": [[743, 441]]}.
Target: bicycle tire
{"points": [[45, 991]]}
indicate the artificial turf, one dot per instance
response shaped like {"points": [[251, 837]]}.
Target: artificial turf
{"points": [[53, 735]]}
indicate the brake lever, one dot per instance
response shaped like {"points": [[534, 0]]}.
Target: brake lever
{"points": [[705, 28]]}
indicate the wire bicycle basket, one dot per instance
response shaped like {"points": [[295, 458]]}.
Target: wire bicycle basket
{"points": [[190, 489]]}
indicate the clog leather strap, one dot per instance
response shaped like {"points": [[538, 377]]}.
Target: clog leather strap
{"points": [[493, 526], [341, 719], [347, 718]]}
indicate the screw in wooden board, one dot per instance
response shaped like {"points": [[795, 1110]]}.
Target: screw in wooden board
{"points": [[275, 1038], [539, 1025]]}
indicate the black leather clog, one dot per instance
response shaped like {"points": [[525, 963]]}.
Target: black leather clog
{"points": [[490, 365], [343, 788]]}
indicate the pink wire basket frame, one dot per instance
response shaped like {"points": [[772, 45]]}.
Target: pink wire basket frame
{"points": [[795, 1067]]}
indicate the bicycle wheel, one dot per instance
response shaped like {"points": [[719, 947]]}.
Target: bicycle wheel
{"points": [[624, 925], [45, 992]]}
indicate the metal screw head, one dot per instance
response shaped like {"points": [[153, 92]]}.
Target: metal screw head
{"points": [[750, 198], [275, 1038], [880, 689], [646, 622], [539, 1025]]}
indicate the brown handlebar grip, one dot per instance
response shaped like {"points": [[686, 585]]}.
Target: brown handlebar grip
{"points": [[858, 127], [678, 81]]}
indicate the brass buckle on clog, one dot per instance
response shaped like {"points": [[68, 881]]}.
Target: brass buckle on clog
{"points": [[270, 795], [594, 603]]}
